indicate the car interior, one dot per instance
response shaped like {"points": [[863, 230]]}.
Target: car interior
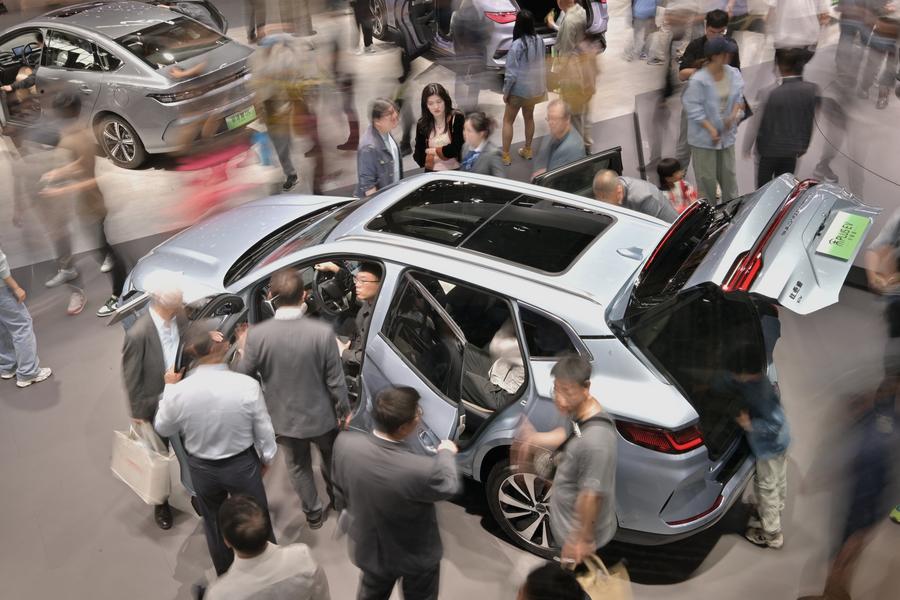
{"points": [[19, 56]]}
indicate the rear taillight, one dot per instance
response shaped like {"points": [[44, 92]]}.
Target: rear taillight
{"points": [[661, 440], [716, 504], [672, 229], [751, 263], [502, 17]]}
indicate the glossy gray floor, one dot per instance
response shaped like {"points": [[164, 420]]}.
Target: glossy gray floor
{"points": [[70, 530]]}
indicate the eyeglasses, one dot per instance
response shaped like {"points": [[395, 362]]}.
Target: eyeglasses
{"points": [[358, 280]]}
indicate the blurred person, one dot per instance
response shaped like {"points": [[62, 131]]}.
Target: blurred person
{"points": [[677, 190], [294, 15], [679, 21], [471, 32], [880, 68], [390, 495], [763, 420], [276, 68], [782, 130], [574, 68], [693, 58], [797, 24], [79, 177], [297, 362], [858, 20], [362, 14], [343, 83], [551, 582], [582, 507], [439, 132], [378, 160], [714, 106], [563, 145], [882, 263], [226, 455], [18, 346], [148, 353], [480, 155], [871, 443], [261, 568], [643, 25], [524, 83], [633, 194]]}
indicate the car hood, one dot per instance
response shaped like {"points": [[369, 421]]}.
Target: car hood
{"points": [[204, 252]]}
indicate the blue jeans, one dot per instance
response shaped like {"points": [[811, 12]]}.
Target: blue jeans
{"points": [[18, 347]]}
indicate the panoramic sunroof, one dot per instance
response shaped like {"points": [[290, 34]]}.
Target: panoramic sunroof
{"points": [[522, 229]]}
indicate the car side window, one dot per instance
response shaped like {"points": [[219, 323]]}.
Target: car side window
{"points": [[544, 337], [66, 51], [425, 338], [108, 61]]}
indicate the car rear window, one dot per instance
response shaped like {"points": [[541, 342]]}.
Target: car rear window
{"points": [[166, 43], [529, 231]]}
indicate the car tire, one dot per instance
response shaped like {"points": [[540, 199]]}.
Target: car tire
{"points": [[120, 142], [518, 502], [379, 19]]}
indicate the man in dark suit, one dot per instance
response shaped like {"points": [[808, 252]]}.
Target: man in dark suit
{"points": [[367, 284], [148, 353], [785, 126], [296, 360], [389, 494]]}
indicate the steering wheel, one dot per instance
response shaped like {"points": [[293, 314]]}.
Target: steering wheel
{"points": [[331, 299], [31, 56]]}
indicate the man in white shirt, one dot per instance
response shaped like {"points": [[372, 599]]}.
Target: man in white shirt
{"points": [[226, 429], [262, 569], [796, 24]]}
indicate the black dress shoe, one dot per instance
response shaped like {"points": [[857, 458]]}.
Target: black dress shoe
{"points": [[163, 516], [316, 521]]}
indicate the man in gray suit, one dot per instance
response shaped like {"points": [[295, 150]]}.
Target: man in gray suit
{"points": [[296, 360], [633, 194], [151, 345], [389, 494]]}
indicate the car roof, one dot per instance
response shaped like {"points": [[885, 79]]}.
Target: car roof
{"points": [[109, 19], [593, 279]]}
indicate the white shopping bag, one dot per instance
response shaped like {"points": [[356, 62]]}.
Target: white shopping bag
{"points": [[137, 463], [179, 497]]}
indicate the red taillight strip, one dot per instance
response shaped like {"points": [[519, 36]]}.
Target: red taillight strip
{"points": [[694, 207], [744, 274], [714, 506], [501, 17], [645, 437]]}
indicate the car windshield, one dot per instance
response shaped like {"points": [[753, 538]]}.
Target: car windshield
{"points": [[304, 232], [169, 42]]}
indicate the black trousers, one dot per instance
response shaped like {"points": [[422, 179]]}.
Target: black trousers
{"points": [[362, 11], [422, 586], [770, 167], [214, 481]]}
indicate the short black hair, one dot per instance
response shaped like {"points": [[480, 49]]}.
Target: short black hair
{"points": [[66, 105], [552, 582], [394, 407], [666, 167], [244, 524], [371, 267], [792, 60], [574, 368], [381, 107], [717, 18], [288, 286], [197, 341]]}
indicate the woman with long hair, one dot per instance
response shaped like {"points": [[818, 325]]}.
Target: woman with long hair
{"points": [[439, 132], [524, 83]]}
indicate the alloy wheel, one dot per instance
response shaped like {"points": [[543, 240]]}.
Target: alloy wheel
{"points": [[524, 502], [378, 18], [118, 142]]}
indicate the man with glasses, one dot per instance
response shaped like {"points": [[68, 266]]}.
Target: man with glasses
{"points": [[389, 494], [367, 284], [297, 362], [582, 508], [564, 144]]}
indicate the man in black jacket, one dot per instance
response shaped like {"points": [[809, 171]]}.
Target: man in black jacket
{"points": [[785, 125]]}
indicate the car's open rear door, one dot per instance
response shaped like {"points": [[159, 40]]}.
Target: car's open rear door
{"points": [[790, 242]]}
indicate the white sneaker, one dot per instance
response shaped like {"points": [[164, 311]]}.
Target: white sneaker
{"points": [[7, 375], [61, 277], [108, 263], [76, 304], [759, 537], [43, 374]]}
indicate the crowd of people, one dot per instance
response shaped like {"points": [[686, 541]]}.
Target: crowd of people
{"points": [[383, 494]]}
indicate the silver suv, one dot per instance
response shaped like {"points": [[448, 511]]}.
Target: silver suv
{"points": [[467, 257], [119, 57]]}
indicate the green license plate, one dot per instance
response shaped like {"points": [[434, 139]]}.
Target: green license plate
{"points": [[843, 236], [241, 118]]}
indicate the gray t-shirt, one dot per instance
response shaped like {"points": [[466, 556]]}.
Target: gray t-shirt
{"points": [[587, 463]]}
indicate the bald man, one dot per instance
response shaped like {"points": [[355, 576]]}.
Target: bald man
{"points": [[633, 194]]}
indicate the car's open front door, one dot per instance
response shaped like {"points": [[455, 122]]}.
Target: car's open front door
{"points": [[790, 242], [226, 311], [413, 18], [578, 177]]}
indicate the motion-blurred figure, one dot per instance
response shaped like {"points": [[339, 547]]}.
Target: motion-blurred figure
{"points": [[574, 70], [881, 61], [79, 178], [524, 83], [362, 13], [343, 83], [471, 32], [551, 582], [643, 25]]}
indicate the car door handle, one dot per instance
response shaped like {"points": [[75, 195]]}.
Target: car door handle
{"points": [[86, 90]]}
